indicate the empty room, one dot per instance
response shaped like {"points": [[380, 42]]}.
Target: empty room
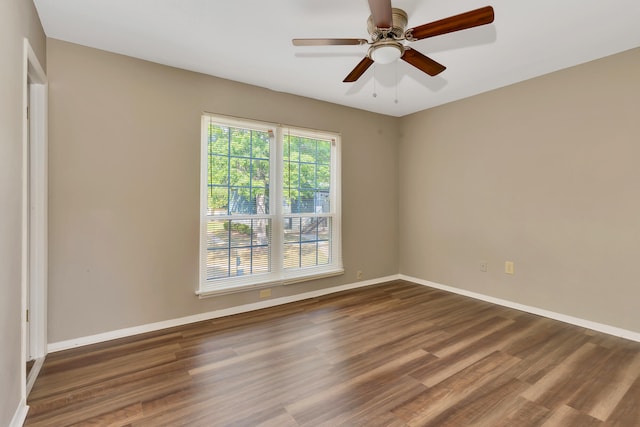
{"points": [[305, 213]]}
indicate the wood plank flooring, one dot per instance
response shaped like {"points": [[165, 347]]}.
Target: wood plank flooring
{"points": [[396, 354]]}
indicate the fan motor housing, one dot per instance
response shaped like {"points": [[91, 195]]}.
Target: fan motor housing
{"points": [[399, 21]]}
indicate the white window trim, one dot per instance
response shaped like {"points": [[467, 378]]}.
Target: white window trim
{"points": [[278, 276]]}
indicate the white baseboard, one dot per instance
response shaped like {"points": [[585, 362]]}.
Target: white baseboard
{"points": [[20, 415], [600, 327], [121, 333], [33, 373]]}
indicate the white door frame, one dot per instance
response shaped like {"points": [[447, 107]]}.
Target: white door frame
{"points": [[34, 215]]}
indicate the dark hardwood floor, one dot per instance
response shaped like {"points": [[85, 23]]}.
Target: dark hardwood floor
{"points": [[396, 354]]}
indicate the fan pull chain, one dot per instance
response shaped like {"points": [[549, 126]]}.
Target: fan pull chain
{"points": [[396, 70], [374, 81]]}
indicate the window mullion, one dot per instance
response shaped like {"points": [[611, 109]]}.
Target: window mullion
{"points": [[277, 167], [204, 201], [229, 175], [335, 197]]}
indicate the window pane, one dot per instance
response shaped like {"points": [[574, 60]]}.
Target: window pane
{"points": [[308, 230], [260, 173], [286, 154], [259, 201], [240, 233], [261, 232], [291, 255], [307, 149], [218, 170], [307, 175], [324, 256], [217, 234], [260, 260], [324, 228], [304, 203], [240, 201], [308, 257], [324, 152], [291, 148], [217, 249], [323, 203], [241, 142], [291, 228], [240, 261], [240, 173], [260, 146], [238, 170], [218, 200], [217, 263], [306, 241], [291, 179], [323, 178], [236, 248], [218, 139]]}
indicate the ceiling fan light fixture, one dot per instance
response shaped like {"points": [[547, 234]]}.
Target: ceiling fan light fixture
{"points": [[386, 53], [389, 37]]}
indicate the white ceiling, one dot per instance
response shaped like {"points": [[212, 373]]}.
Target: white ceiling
{"points": [[250, 41]]}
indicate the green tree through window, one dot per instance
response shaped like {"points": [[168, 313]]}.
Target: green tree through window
{"points": [[270, 209]]}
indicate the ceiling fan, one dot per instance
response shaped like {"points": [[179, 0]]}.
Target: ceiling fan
{"points": [[386, 25]]}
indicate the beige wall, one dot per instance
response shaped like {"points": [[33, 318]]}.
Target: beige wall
{"points": [[541, 173], [124, 138], [544, 173], [18, 20]]}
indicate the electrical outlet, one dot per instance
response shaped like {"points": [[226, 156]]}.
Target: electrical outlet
{"points": [[509, 267], [484, 266], [265, 293], [359, 275]]}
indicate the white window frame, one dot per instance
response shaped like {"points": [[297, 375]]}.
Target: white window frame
{"points": [[278, 275]]}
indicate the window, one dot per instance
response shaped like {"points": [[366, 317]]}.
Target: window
{"points": [[270, 205]]}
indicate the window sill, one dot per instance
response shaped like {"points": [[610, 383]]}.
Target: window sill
{"points": [[231, 289]]}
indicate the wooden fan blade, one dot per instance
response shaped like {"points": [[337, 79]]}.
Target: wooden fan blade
{"points": [[328, 42], [381, 12], [359, 70], [470, 19], [422, 63]]}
